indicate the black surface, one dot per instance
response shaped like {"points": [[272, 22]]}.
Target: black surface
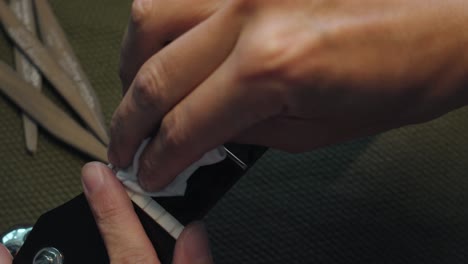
{"points": [[72, 229]]}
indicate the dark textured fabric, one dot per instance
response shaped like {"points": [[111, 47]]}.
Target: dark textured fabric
{"points": [[399, 197]]}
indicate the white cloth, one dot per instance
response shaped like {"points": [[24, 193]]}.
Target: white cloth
{"points": [[177, 187]]}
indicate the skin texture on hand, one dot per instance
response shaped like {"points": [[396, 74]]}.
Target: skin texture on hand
{"points": [[121, 230], [5, 257], [293, 75]]}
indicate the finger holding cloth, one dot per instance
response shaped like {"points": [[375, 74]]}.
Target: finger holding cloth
{"points": [[166, 78], [153, 24]]}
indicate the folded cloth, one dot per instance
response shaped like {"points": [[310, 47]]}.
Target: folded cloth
{"points": [[177, 187]]}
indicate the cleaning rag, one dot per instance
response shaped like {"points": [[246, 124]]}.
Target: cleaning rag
{"points": [[177, 187]]}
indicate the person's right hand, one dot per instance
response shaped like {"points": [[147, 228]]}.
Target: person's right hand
{"points": [[294, 75]]}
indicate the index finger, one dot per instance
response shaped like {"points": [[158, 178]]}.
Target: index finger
{"points": [[153, 23], [166, 78], [216, 111]]}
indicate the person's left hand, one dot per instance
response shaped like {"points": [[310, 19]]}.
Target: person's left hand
{"points": [[123, 234], [5, 257]]}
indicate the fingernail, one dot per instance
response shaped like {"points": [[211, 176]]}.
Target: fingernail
{"points": [[140, 8], [92, 177], [196, 244]]}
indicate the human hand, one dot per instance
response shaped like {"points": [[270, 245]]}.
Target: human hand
{"points": [[121, 230], [5, 257], [294, 75]]}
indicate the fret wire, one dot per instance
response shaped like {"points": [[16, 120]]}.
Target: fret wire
{"points": [[152, 208], [236, 159]]}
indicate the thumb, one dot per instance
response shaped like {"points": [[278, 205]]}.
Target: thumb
{"points": [[5, 257], [193, 247], [120, 228]]}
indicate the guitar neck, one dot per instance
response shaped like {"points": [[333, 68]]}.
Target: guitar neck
{"points": [[71, 229]]}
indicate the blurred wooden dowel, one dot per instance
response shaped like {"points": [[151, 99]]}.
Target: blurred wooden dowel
{"points": [[48, 115], [24, 10], [55, 40], [45, 62]]}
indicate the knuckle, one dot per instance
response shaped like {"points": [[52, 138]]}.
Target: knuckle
{"points": [[284, 61], [280, 52], [147, 164], [265, 76], [170, 142], [149, 86], [269, 58], [171, 133], [138, 12], [148, 168]]}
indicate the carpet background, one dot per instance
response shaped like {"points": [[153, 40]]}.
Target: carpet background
{"points": [[398, 197]]}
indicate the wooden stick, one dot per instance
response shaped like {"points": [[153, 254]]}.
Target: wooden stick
{"points": [[48, 115], [42, 58], [55, 40], [24, 10]]}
